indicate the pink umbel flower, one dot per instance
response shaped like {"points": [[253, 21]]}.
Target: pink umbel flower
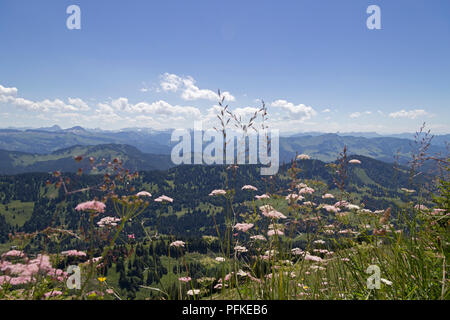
{"points": [[13, 253], [74, 253], [271, 233], [184, 279], [331, 208], [306, 190], [240, 249], [327, 196], [294, 197], [177, 243], [52, 294], [313, 258], [193, 292], [263, 196], [164, 198], [91, 205], [144, 194], [354, 161], [108, 221], [244, 227], [273, 214], [249, 187], [218, 192], [258, 237]]}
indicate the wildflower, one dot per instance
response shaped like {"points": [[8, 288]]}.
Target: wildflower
{"points": [[177, 243], [342, 203], [421, 207], [264, 196], [301, 186], [319, 242], [387, 282], [244, 227], [327, 196], [297, 251], [303, 157], [306, 190], [109, 291], [52, 294], [294, 197], [218, 192], [193, 292], [242, 273], [331, 208], [102, 279], [13, 253], [131, 236], [345, 259], [220, 259], [185, 279], [240, 249], [354, 161], [313, 258], [274, 214], [352, 206], [164, 199], [91, 205], [249, 187], [258, 237], [108, 221], [144, 194], [275, 232], [74, 253]]}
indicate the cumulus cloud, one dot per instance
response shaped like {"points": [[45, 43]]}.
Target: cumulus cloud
{"points": [[160, 107], [326, 111], [412, 114], [189, 91], [300, 110], [79, 103], [8, 91]]}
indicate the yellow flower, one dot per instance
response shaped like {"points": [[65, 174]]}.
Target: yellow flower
{"points": [[305, 287], [102, 279]]}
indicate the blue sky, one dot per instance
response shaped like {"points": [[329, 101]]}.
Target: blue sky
{"points": [[159, 63]]}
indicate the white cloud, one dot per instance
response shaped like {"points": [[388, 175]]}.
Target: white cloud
{"points": [[305, 112], [412, 114], [189, 91], [77, 102], [8, 91], [355, 115], [326, 111]]}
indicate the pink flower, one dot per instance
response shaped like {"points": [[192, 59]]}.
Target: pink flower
{"points": [[53, 293], [74, 253], [240, 249], [164, 199], [244, 227], [273, 214], [264, 196], [294, 197], [131, 236], [13, 253], [421, 207], [177, 243], [218, 192], [249, 187], [271, 233], [91, 205], [185, 279], [313, 258], [327, 196], [331, 208], [144, 194], [307, 190], [108, 221], [258, 237], [354, 161]]}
